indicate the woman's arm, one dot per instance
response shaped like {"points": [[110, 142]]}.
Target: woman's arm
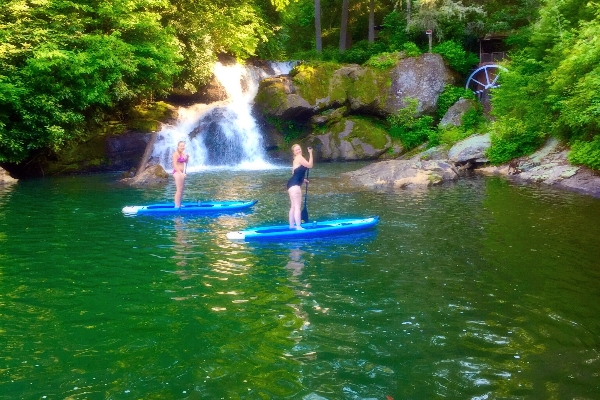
{"points": [[309, 163]]}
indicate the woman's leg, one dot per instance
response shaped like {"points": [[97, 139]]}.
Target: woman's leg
{"points": [[178, 188], [295, 193]]}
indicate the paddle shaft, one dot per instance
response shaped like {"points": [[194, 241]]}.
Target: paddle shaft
{"points": [[304, 215]]}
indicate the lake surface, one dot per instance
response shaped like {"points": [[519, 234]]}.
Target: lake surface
{"points": [[481, 289]]}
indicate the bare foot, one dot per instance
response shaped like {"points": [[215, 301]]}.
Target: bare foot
{"points": [[299, 228]]}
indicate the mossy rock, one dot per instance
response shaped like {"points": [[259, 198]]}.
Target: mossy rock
{"points": [[353, 138], [148, 117]]}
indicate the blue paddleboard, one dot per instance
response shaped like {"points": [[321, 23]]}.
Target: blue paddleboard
{"points": [[202, 207], [311, 229]]}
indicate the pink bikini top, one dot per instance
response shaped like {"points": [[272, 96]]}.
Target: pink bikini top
{"points": [[181, 159]]}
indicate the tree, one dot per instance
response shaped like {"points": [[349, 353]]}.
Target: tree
{"points": [[344, 26], [557, 71], [371, 21], [441, 15], [65, 64], [318, 36]]}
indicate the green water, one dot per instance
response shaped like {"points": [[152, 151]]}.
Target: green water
{"points": [[475, 290]]}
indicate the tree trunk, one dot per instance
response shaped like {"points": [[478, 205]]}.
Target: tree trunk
{"points": [[344, 26], [372, 21], [318, 37], [147, 153], [408, 9]]}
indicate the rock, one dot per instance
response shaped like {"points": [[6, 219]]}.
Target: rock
{"points": [[549, 165], [351, 140], [584, 181], [5, 178], [423, 78], [125, 151], [434, 153], [471, 149], [277, 98], [455, 113], [153, 175], [403, 174]]}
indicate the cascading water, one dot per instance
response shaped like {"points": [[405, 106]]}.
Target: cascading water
{"points": [[222, 134]]}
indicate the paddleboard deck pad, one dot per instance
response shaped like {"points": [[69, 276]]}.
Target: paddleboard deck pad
{"points": [[198, 207], [311, 229]]}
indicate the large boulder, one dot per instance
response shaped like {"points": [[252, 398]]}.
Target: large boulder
{"points": [[453, 116], [422, 78], [151, 176], [277, 98], [312, 89], [350, 139], [472, 149], [403, 174]]}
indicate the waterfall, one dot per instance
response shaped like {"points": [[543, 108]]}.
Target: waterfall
{"points": [[222, 134]]}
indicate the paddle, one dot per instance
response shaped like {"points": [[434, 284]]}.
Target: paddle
{"points": [[304, 215]]}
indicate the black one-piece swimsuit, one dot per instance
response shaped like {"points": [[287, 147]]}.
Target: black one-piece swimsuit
{"points": [[297, 178]]}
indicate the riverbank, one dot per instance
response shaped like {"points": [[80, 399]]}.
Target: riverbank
{"points": [[547, 166]]}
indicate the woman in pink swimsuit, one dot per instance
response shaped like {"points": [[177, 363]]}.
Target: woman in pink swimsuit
{"points": [[179, 161]]}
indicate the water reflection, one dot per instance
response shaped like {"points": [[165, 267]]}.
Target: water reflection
{"points": [[181, 245]]}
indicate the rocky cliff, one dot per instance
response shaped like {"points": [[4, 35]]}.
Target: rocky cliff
{"points": [[343, 107]]}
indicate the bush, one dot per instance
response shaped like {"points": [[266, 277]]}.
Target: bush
{"points": [[511, 138], [586, 153], [458, 59], [451, 95], [394, 31], [383, 60], [411, 49], [361, 51], [408, 128]]}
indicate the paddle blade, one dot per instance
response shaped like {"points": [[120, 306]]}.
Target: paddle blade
{"points": [[304, 215]]}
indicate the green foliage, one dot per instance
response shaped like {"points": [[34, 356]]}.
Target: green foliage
{"points": [[451, 95], [552, 85], [394, 31], [383, 60], [411, 50], [472, 122], [586, 153], [361, 52], [473, 119], [67, 64], [512, 138], [458, 59], [291, 130], [410, 129], [447, 136], [447, 19]]}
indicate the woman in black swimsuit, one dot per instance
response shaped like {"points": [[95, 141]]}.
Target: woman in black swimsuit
{"points": [[299, 168]]}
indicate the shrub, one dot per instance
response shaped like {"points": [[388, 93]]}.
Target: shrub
{"points": [[458, 59], [512, 138], [451, 95], [394, 31], [411, 49], [408, 128], [383, 60], [361, 51], [586, 153]]}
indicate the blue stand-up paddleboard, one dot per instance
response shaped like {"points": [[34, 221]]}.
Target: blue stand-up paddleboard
{"points": [[311, 230], [199, 207]]}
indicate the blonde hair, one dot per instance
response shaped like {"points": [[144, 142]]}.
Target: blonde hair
{"points": [[294, 145]]}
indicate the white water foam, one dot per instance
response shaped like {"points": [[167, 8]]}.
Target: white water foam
{"points": [[221, 135]]}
